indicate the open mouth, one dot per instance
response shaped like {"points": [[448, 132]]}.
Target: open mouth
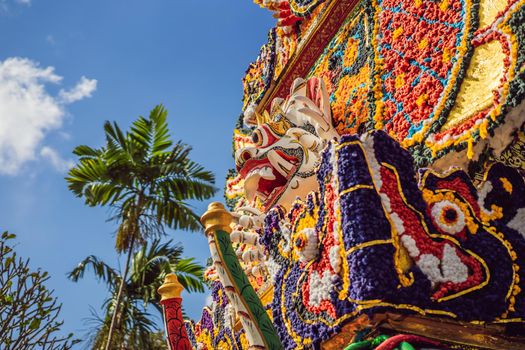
{"points": [[267, 178]]}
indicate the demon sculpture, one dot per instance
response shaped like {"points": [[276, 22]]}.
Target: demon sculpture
{"points": [[280, 165], [344, 226]]}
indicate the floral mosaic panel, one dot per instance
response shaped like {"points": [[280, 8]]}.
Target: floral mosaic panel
{"points": [[374, 240], [436, 76]]}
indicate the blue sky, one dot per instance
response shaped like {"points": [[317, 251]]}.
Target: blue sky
{"points": [[112, 60]]}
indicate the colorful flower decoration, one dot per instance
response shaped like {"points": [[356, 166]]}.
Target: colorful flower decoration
{"points": [[303, 8], [437, 77], [448, 217], [260, 73], [385, 243], [281, 8]]}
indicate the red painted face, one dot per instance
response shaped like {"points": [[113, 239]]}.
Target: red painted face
{"points": [[263, 136], [270, 182]]}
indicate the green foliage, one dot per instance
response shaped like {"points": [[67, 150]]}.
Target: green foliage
{"points": [[147, 181], [145, 177], [135, 332], [149, 266], [28, 310]]}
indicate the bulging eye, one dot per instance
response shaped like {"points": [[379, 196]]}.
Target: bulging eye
{"points": [[262, 137], [448, 216], [257, 137]]}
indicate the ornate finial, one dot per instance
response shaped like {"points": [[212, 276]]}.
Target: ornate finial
{"points": [[171, 288], [216, 218]]}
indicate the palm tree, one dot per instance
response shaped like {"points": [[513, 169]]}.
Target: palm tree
{"points": [[135, 328], [146, 179]]}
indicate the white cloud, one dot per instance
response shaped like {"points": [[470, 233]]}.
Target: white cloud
{"points": [[56, 160], [28, 112], [6, 4], [84, 88]]}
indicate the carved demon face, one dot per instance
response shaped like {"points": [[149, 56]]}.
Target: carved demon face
{"points": [[288, 140]]}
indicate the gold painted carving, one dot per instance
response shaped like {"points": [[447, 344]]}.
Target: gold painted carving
{"points": [[488, 10], [483, 76], [216, 218], [489, 336], [171, 288]]}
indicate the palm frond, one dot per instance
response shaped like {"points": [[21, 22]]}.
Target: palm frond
{"points": [[161, 136], [102, 271], [146, 179], [150, 264], [115, 138], [190, 274], [84, 151], [197, 171], [87, 172], [177, 215], [141, 132], [184, 188]]}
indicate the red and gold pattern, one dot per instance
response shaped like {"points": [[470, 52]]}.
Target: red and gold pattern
{"points": [[484, 93], [437, 76], [175, 329]]}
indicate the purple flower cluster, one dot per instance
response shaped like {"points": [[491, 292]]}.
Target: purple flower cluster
{"points": [[220, 299], [489, 247], [303, 323], [190, 330], [237, 339], [372, 269], [363, 220], [324, 175], [271, 235], [206, 321]]}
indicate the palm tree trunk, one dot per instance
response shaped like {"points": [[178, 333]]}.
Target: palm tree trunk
{"points": [[119, 295]]}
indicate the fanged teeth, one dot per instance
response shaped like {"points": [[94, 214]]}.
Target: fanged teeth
{"points": [[251, 183], [283, 166], [267, 173]]}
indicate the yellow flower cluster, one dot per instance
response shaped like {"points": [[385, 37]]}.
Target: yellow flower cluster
{"points": [[506, 184], [205, 338]]}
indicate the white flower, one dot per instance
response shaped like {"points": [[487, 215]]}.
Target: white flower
{"points": [[368, 144], [518, 222], [448, 216], [398, 223], [273, 268], [335, 258], [449, 269], [310, 250], [320, 288], [410, 244]]}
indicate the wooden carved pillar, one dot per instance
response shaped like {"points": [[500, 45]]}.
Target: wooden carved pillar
{"points": [[260, 331], [172, 309]]}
